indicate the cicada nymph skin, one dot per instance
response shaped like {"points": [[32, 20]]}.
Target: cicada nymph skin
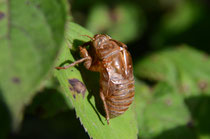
{"points": [[112, 60]]}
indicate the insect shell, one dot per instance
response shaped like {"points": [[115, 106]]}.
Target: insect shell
{"points": [[111, 58]]}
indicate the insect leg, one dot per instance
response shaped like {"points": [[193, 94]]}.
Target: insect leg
{"points": [[84, 55], [105, 106], [89, 64], [73, 64]]}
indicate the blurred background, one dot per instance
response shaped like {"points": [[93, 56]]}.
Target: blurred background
{"points": [[169, 43]]}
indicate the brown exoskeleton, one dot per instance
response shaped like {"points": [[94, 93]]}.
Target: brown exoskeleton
{"points": [[113, 61]]}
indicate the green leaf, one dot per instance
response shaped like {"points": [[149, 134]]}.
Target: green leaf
{"points": [[95, 23], [30, 35], [125, 22], [182, 67], [87, 108], [160, 111], [142, 96]]}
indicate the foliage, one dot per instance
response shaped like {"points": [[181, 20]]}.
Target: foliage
{"points": [[29, 43], [168, 41], [125, 19]]}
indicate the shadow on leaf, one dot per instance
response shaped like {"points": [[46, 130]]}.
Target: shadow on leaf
{"points": [[199, 107], [91, 80], [177, 133], [5, 118], [49, 116]]}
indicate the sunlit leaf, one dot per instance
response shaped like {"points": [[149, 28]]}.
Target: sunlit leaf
{"points": [[30, 35], [185, 68], [125, 22], [160, 110]]}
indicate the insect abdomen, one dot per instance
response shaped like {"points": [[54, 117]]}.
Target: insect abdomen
{"points": [[121, 99]]}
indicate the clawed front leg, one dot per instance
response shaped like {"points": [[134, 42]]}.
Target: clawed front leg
{"points": [[73, 64], [85, 58]]}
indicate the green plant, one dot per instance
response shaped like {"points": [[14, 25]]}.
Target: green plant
{"points": [[169, 47]]}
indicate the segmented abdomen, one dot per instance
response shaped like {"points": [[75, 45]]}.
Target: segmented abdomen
{"points": [[122, 96]]}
